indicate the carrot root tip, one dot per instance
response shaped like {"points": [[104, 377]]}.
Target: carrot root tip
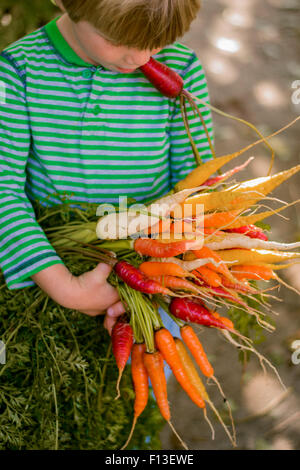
{"points": [[177, 435], [118, 385], [130, 434]]}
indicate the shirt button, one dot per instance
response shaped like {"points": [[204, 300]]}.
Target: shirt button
{"points": [[87, 73], [97, 109]]}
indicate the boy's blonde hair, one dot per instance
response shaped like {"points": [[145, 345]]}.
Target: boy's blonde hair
{"points": [[141, 24]]}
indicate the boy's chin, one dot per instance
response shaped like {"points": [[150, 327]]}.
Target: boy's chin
{"points": [[119, 69]]}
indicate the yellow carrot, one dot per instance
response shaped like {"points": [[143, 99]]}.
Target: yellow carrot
{"points": [[274, 267], [239, 196], [190, 369], [195, 379], [250, 219], [236, 256], [200, 174]]}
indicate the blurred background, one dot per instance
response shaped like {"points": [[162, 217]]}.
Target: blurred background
{"points": [[250, 50]]}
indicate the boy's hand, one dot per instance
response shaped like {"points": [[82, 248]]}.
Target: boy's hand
{"points": [[103, 294], [89, 293]]}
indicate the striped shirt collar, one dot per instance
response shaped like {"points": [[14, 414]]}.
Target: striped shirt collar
{"points": [[62, 46]]}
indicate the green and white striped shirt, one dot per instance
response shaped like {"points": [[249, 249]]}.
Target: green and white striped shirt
{"points": [[72, 130]]}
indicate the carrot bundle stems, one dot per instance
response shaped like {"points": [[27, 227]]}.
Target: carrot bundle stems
{"points": [[194, 106], [188, 131], [222, 113]]}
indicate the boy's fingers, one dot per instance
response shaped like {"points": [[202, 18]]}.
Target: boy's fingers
{"points": [[116, 310], [113, 312], [103, 270], [109, 324]]}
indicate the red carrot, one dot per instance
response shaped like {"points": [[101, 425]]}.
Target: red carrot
{"points": [[122, 342], [134, 278], [251, 231], [220, 292], [191, 311], [240, 287], [227, 174], [168, 82]]}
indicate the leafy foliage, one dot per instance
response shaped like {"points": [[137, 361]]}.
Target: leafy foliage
{"points": [[18, 18], [57, 387]]}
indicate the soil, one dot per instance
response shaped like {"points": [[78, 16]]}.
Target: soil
{"points": [[250, 51]]}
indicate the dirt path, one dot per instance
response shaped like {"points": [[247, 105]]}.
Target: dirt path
{"points": [[250, 51]]}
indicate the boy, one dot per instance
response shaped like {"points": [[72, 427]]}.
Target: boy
{"points": [[79, 119]]}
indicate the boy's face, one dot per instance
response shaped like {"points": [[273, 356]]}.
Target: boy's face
{"points": [[99, 51]]}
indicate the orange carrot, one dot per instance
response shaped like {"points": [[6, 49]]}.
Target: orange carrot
{"points": [[212, 230], [206, 252], [140, 383], [228, 323], [210, 277], [244, 271], [159, 227], [176, 283], [195, 347], [220, 219], [166, 345], [156, 268], [162, 248], [191, 340], [155, 368]]}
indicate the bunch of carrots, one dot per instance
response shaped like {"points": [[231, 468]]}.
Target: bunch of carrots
{"points": [[190, 279], [189, 265]]}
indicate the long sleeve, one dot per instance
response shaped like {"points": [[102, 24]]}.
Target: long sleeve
{"points": [[24, 247], [181, 155]]}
